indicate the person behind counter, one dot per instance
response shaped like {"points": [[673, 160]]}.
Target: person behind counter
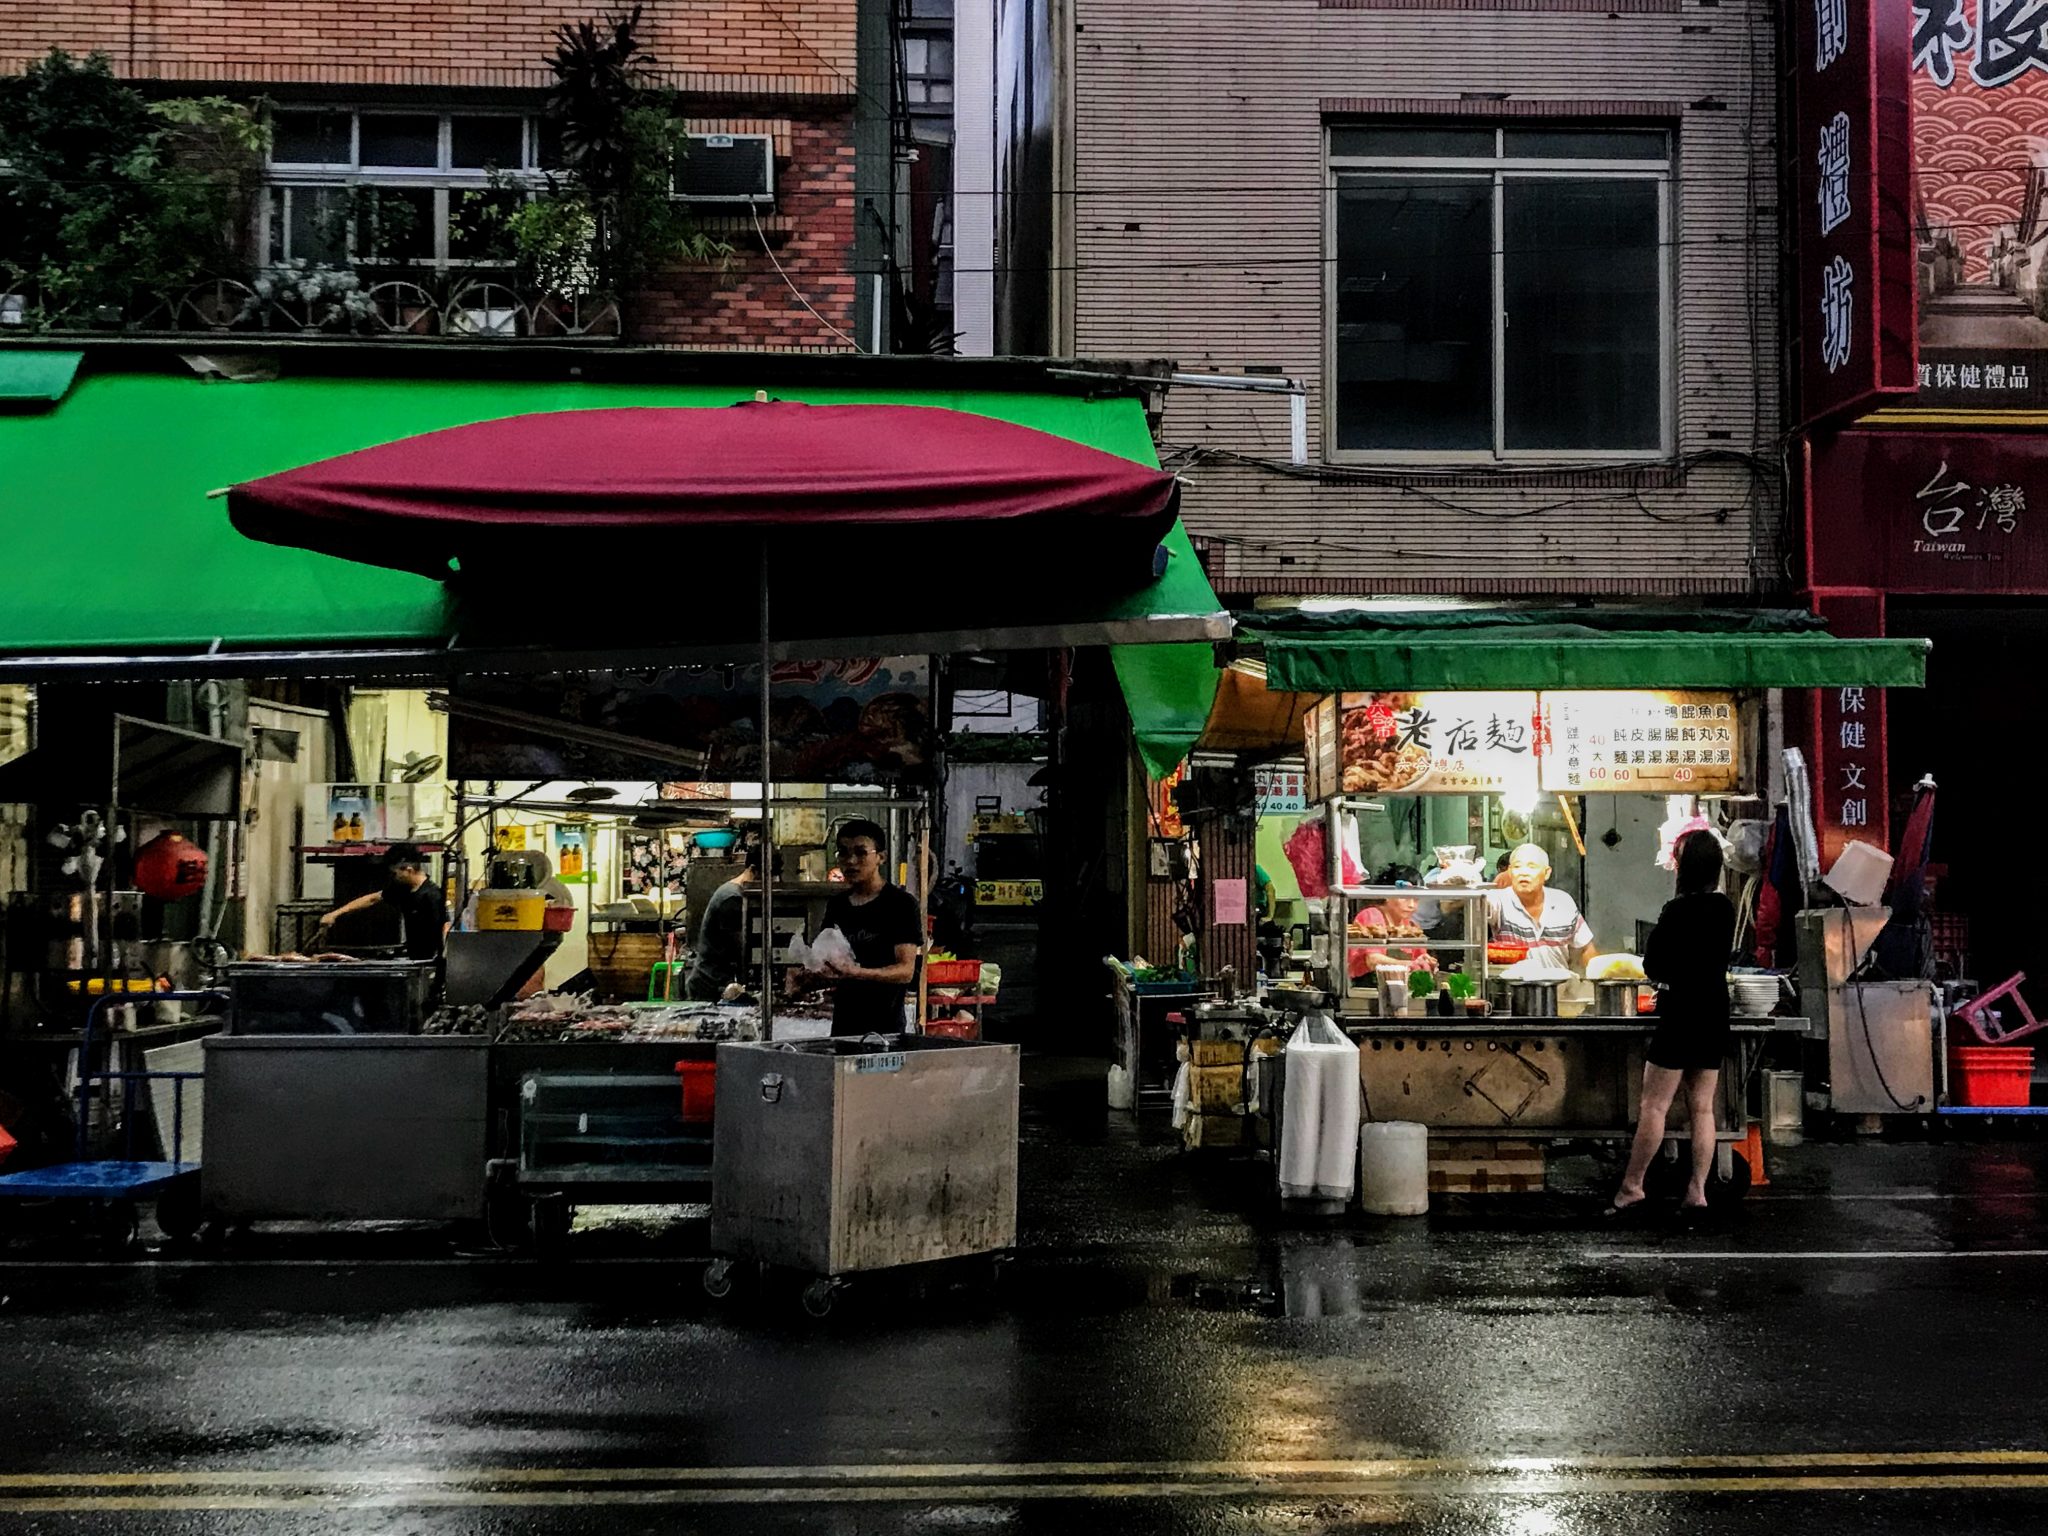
{"points": [[882, 924], [1394, 917], [1528, 911], [422, 909], [718, 947], [1687, 956]]}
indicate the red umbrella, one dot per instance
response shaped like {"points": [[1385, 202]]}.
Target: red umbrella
{"points": [[565, 482], [834, 490]]}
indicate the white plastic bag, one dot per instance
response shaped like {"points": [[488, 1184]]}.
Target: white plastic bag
{"points": [[828, 949], [1319, 1130], [1180, 1097]]}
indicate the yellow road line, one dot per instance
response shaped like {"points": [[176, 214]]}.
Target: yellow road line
{"points": [[1367, 1469], [1426, 1490]]}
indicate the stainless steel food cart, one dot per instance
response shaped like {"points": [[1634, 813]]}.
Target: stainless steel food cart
{"points": [[840, 1156]]}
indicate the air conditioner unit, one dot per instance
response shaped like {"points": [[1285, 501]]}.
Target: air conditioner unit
{"points": [[726, 168]]}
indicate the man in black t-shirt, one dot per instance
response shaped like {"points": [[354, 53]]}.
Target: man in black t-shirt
{"points": [[418, 900], [882, 925]]}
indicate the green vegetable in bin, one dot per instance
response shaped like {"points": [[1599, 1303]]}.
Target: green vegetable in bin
{"points": [[1461, 986], [1421, 983]]}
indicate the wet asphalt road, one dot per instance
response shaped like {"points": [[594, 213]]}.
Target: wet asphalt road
{"points": [[1860, 1348]]}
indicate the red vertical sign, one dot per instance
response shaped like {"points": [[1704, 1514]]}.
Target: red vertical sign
{"points": [[1854, 155], [1847, 741]]}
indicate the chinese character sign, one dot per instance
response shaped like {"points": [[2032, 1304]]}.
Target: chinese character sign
{"points": [[1849, 768], [1930, 512], [1856, 245], [1421, 743], [1979, 92], [1280, 790], [1660, 743], [1489, 743]]}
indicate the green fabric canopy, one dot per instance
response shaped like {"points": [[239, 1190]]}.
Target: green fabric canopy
{"points": [[37, 379], [115, 549], [1329, 652]]}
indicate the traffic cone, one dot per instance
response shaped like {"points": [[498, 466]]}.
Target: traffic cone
{"points": [[1751, 1150]]}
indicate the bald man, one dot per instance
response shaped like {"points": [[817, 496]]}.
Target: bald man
{"points": [[1548, 921]]}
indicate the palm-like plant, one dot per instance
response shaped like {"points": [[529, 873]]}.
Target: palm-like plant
{"points": [[610, 217]]}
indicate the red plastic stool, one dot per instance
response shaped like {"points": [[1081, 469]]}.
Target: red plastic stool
{"points": [[1975, 1013]]}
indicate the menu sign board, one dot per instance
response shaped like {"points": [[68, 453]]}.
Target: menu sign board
{"points": [[1655, 743], [1421, 743], [1487, 743], [1280, 790]]}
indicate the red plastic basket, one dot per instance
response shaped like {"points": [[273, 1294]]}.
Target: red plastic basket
{"points": [[1991, 1076], [952, 973]]}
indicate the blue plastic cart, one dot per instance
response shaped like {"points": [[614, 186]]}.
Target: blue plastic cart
{"points": [[116, 1186]]}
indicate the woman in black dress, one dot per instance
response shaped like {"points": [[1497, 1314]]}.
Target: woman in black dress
{"points": [[1687, 957]]}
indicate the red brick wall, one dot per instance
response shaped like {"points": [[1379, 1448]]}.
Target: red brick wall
{"points": [[800, 45], [810, 233], [735, 60]]}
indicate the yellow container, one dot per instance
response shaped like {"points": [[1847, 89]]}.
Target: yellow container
{"points": [[510, 911]]}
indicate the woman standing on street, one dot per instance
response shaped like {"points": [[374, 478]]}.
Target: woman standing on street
{"points": [[1687, 957]]}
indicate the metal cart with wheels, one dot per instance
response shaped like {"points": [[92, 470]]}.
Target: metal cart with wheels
{"points": [[115, 1187], [839, 1157]]}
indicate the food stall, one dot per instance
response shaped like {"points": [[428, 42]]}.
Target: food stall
{"points": [[1436, 747], [644, 484]]}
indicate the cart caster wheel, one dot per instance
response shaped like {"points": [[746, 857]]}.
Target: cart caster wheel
{"points": [[718, 1279], [818, 1297], [114, 1227], [552, 1219], [178, 1214]]}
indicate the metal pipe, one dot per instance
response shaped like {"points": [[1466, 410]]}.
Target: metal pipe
{"points": [[767, 819]]}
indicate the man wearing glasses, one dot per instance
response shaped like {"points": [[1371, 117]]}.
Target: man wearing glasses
{"points": [[882, 925]]}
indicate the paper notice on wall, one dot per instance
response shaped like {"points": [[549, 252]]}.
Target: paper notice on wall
{"points": [[1233, 901]]}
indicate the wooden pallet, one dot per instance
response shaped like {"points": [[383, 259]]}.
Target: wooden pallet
{"points": [[1485, 1165]]}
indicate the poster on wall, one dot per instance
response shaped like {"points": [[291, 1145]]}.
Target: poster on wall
{"points": [[852, 721], [1421, 744], [571, 854], [1641, 743], [648, 867], [1980, 134]]}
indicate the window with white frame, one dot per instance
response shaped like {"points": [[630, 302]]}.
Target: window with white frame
{"points": [[1499, 293], [400, 188]]}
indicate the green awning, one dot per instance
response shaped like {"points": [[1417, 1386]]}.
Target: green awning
{"points": [[115, 548], [1328, 652], [33, 380]]}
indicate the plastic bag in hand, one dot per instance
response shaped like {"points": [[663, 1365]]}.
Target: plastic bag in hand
{"points": [[827, 951]]}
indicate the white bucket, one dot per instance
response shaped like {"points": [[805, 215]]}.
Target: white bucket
{"points": [[1393, 1168], [1121, 1094]]}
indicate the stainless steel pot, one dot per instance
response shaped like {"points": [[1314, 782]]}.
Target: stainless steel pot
{"points": [[1533, 999], [1615, 999]]}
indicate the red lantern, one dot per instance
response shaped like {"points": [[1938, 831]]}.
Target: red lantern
{"points": [[170, 867]]}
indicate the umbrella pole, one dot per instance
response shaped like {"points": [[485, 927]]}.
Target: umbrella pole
{"points": [[767, 825]]}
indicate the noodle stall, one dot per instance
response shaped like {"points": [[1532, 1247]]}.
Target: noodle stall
{"points": [[1492, 799]]}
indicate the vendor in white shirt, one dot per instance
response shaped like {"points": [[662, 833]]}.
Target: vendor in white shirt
{"points": [[1548, 921]]}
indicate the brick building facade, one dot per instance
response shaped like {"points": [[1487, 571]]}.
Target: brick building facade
{"points": [[791, 72]]}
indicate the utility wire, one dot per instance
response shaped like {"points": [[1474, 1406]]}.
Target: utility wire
{"points": [[767, 251]]}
